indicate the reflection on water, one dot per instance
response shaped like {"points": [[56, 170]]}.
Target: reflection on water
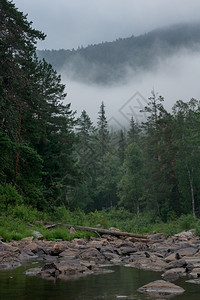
{"points": [[122, 284]]}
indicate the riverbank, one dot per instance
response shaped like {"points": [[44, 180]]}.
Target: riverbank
{"points": [[20, 221], [176, 256]]}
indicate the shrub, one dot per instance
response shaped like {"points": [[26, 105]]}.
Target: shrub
{"points": [[27, 213], [9, 196]]}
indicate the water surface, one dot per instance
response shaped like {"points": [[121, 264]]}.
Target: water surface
{"points": [[121, 284]]}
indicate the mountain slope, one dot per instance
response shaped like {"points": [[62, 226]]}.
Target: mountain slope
{"points": [[109, 62]]}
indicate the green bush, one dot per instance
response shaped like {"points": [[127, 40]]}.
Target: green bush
{"points": [[186, 222], [27, 213], [13, 229], [9, 197], [17, 225]]}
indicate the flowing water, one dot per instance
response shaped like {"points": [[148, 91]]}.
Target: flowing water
{"points": [[121, 284]]}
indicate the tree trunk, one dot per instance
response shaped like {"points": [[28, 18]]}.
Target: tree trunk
{"points": [[18, 141], [192, 191], [136, 237]]}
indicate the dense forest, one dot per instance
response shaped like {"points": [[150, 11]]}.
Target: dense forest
{"points": [[111, 62], [49, 158]]}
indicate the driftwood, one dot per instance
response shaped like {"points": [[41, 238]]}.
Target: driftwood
{"points": [[135, 237]]}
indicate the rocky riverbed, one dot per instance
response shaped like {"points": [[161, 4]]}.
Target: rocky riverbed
{"points": [[175, 256]]}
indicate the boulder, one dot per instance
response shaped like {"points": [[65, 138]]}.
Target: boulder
{"points": [[127, 250], [37, 234], [91, 254], [70, 253], [195, 260], [110, 256], [70, 267], [25, 242], [185, 234], [33, 272], [160, 288], [157, 265], [35, 248], [195, 273], [189, 251], [58, 248], [9, 256], [196, 281], [106, 249], [174, 274], [4, 247], [171, 257], [176, 264], [72, 230]]}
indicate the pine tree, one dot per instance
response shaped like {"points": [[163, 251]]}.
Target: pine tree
{"points": [[186, 132], [133, 132], [121, 146], [162, 182], [36, 127], [131, 185], [86, 133], [103, 133]]}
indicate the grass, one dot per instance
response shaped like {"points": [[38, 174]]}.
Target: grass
{"points": [[20, 221], [12, 229]]}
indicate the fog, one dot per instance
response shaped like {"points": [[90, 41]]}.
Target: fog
{"points": [[174, 78], [69, 24]]}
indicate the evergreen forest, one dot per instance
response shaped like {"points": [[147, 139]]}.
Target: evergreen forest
{"points": [[110, 63], [50, 159]]}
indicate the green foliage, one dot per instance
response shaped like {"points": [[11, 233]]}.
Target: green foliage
{"points": [[62, 232], [64, 215], [13, 229], [27, 213], [17, 225], [103, 133], [50, 161], [187, 222], [36, 133], [9, 196], [130, 188]]}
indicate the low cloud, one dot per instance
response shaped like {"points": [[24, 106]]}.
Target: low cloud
{"points": [[174, 78], [69, 24]]}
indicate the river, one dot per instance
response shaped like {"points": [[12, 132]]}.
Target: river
{"points": [[121, 284]]}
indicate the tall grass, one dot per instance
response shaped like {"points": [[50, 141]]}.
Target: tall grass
{"points": [[20, 221]]}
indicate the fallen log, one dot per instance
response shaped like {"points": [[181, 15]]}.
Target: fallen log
{"points": [[136, 237]]}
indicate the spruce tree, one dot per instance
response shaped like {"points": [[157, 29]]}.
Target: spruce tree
{"points": [[103, 133]]}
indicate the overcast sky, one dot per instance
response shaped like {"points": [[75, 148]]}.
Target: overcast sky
{"points": [[72, 23]]}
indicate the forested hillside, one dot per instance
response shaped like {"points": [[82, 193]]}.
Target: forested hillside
{"points": [[111, 62], [50, 159], [36, 135]]}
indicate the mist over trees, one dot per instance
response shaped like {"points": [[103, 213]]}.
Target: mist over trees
{"points": [[50, 159], [154, 166], [111, 62]]}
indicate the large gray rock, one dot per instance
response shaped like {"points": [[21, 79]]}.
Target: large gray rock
{"points": [[196, 281], [58, 248], [70, 253], [9, 256], [110, 256], [33, 271], [181, 263], [157, 265], [195, 273], [189, 251], [38, 235], [91, 254], [195, 260], [160, 288], [127, 250], [174, 274]]}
